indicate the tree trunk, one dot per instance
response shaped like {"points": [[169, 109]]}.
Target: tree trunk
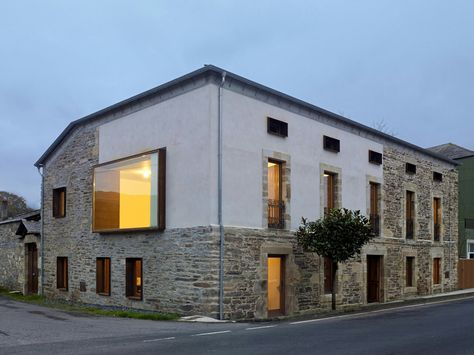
{"points": [[334, 283]]}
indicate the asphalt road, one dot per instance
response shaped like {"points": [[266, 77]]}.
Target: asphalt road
{"points": [[438, 328]]}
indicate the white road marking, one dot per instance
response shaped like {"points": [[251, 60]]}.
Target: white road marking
{"points": [[159, 339], [211, 333], [377, 311], [262, 327]]}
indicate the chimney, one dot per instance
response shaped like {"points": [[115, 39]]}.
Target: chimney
{"points": [[4, 209]]}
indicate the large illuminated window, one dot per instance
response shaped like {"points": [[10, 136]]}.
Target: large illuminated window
{"points": [[130, 193]]}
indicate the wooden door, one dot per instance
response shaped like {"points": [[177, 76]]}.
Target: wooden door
{"points": [[276, 289], [32, 268], [373, 278]]}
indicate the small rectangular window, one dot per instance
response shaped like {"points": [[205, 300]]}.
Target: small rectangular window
{"points": [[277, 127], [437, 176], [375, 157], [59, 202], [436, 271], [410, 168], [410, 262], [134, 280], [469, 223], [62, 273], [103, 276], [331, 144]]}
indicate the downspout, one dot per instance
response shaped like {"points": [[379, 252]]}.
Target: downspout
{"points": [[40, 171], [219, 198]]}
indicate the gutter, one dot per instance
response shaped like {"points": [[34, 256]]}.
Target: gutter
{"points": [[40, 171], [219, 198]]}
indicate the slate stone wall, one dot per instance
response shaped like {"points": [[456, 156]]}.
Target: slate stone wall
{"points": [[11, 258]]}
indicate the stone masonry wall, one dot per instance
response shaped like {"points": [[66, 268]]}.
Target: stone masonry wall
{"points": [[11, 258], [180, 266]]}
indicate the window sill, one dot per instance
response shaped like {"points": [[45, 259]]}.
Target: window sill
{"points": [[62, 289], [128, 230], [103, 294]]}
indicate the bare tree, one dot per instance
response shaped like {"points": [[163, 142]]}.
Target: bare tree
{"points": [[383, 127]]}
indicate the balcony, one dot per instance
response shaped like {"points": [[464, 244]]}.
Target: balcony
{"points": [[409, 228], [437, 232], [375, 223], [276, 214]]}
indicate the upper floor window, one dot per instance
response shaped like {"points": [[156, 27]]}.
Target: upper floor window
{"points": [[410, 168], [470, 250], [277, 127], [436, 219], [103, 276], [375, 157], [331, 144], [374, 207], [437, 176], [410, 214], [130, 193], [329, 191], [276, 205], [59, 202]]}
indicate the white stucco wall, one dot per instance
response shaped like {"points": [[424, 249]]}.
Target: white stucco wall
{"points": [[187, 126], [245, 137], [182, 125]]}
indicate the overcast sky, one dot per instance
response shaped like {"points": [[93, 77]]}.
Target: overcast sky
{"points": [[408, 63]]}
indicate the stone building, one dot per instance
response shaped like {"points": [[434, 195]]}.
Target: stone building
{"points": [[19, 245], [465, 158], [185, 199]]}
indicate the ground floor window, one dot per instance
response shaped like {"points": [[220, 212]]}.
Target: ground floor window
{"points": [[103, 276], [61, 273], [436, 271], [134, 278]]}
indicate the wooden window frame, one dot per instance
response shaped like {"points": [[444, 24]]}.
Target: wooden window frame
{"points": [[331, 192], [103, 276], [375, 157], [131, 290], [410, 214], [331, 144], [281, 207], [374, 212], [437, 219], [277, 127], [409, 271], [161, 218], [62, 273], [59, 197], [436, 271]]}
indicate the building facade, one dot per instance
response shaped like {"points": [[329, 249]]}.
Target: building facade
{"points": [[185, 199]]}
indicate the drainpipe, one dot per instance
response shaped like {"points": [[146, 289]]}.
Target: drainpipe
{"points": [[219, 198], [40, 171]]}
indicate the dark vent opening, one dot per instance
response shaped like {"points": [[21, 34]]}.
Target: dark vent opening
{"points": [[375, 157], [277, 127], [410, 168], [437, 176], [331, 144]]}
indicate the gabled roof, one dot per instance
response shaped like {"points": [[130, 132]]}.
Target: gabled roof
{"points": [[216, 73], [452, 151], [27, 227]]}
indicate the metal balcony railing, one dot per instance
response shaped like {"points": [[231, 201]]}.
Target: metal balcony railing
{"points": [[375, 223], [437, 232], [276, 214], [409, 227]]}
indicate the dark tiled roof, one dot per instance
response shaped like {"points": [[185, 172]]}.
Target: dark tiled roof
{"points": [[452, 151], [216, 73], [30, 216]]}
